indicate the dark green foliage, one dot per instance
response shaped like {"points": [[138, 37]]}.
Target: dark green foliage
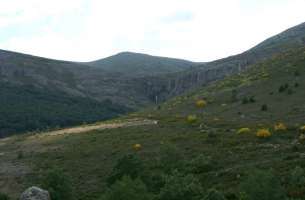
{"points": [[170, 158], [297, 73], [127, 189], [27, 108], [252, 99], [264, 107], [154, 180], [129, 165], [234, 94], [245, 100], [3, 196], [20, 155], [178, 186], [58, 184], [289, 91], [262, 185], [283, 87], [201, 164], [214, 195], [296, 85], [296, 183]]}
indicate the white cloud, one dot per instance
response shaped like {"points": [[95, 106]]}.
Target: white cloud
{"points": [[199, 30]]}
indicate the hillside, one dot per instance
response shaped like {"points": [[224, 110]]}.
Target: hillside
{"points": [[129, 81], [136, 64], [168, 86], [74, 93], [207, 150]]}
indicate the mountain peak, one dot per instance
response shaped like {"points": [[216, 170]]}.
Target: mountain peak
{"points": [[139, 64]]}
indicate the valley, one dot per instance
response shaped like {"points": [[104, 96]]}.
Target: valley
{"points": [[230, 129]]}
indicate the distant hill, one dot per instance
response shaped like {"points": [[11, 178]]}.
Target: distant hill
{"points": [[136, 64]]}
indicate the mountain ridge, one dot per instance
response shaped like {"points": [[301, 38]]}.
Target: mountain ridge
{"points": [[138, 86], [139, 64]]}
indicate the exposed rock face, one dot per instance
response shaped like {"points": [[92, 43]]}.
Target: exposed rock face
{"points": [[35, 193]]}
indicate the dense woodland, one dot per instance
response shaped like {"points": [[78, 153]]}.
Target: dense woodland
{"points": [[27, 108]]}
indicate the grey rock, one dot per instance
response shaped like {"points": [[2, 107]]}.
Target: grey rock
{"points": [[35, 193]]}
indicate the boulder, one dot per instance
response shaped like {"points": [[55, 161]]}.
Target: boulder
{"points": [[35, 193]]}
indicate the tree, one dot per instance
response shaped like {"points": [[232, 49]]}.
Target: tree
{"points": [[264, 107], [3, 196], [296, 183], [58, 184], [127, 189], [128, 165], [178, 186], [170, 158], [214, 195], [262, 185]]}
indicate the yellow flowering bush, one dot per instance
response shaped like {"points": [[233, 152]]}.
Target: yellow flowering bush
{"points": [[191, 119], [243, 130], [280, 127], [263, 133], [201, 103], [137, 147]]}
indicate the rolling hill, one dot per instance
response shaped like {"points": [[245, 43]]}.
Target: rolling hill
{"points": [[74, 93], [207, 152], [137, 65]]}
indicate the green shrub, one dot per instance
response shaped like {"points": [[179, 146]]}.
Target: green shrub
{"points": [[127, 189], [129, 165], [264, 107], [20, 155], [296, 183], [3, 196], [170, 158], [58, 184], [283, 87], [296, 85], [262, 185], [297, 73], [290, 91], [154, 180], [234, 94], [200, 164], [252, 99], [181, 187], [214, 195], [245, 100]]}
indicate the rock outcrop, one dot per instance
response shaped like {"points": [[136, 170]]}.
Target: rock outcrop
{"points": [[35, 193]]}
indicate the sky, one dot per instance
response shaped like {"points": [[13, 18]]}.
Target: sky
{"points": [[197, 30]]}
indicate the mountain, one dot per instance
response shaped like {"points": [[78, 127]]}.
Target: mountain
{"points": [[136, 64], [127, 81], [203, 74], [38, 93], [198, 151]]}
